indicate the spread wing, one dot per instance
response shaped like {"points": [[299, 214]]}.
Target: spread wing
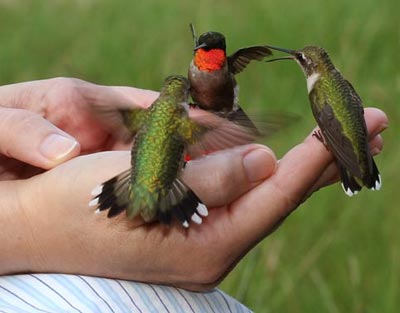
{"points": [[207, 132], [264, 124], [238, 61], [122, 123]]}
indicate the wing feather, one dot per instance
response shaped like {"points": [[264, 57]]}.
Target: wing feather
{"points": [[238, 61]]}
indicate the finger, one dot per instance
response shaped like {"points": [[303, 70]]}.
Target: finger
{"points": [[376, 145], [222, 177], [217, 179], [26, 95], [28, 137], [142, 97], [260, 210], [376, 120]]}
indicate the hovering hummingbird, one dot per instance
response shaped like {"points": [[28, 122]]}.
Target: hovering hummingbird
{"points": [[339, 113], [152, 187], [212, 73]]}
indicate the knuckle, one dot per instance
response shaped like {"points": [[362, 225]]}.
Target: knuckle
{"points": [[65, 82]]}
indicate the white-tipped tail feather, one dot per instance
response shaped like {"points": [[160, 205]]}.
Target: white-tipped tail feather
{"points": [[180, 203], [94, 202], [97, 190], [378, 183], [185, 224], [196, 218], [202, 209], [348, 191]]}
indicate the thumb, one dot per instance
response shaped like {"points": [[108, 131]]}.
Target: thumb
{"points": [[28, 137], [224, 176]]}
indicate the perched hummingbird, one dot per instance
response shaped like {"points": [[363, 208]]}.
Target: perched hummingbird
{"points": [[212, 73], [152, 187], [338, 111]]}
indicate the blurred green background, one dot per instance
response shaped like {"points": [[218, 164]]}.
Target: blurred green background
{"points": [[335, 254]]}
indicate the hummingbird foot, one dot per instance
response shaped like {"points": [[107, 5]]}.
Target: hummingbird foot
{"points": [[318, 135]]}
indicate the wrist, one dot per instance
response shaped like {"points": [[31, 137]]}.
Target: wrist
{"points": [[15, 236]]}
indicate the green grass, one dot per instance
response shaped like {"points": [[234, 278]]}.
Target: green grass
{"points": [[334, 254]]}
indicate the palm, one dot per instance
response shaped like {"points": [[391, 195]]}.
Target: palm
{"points": [[196, 258]]}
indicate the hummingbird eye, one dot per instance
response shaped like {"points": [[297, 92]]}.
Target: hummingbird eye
{"points": [[300, 56]]}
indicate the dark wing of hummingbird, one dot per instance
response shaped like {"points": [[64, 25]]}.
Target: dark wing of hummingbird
{"points": [[342, 148], [206, 132], [213, 131], [355, 98], [123, 123], [264, 124], [340, 145], [238, 61], [372, 178]]}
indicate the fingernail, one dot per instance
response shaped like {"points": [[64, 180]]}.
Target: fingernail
{"points": [[375, 151], [383, 127], [55, 147], [259, 164]]}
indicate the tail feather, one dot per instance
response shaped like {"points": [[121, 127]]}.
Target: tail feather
{"points": [[374, 182], [112, 194], [350, 186], [180, 202], [183, 204]]}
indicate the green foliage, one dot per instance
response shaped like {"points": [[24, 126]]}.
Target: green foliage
{"points": [[334, 254]]}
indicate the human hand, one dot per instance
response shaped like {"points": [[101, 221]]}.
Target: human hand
{"points": [[53, 121], [54, 230]]}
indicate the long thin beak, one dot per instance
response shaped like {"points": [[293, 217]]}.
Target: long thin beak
{"points": [[278, 59], [200, 46], [282, 49]]}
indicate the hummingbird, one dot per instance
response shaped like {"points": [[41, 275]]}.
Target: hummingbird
{"points": [[339, 113], [212, 73], [152, 187]]}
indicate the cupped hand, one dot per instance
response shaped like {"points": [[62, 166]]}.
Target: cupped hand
{"points": [[247, 192], [54, 120]]}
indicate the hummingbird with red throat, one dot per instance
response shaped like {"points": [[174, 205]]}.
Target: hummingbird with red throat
{"points": [[212, 72]]}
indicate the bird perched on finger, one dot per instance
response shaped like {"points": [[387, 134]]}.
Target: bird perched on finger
{"points": [[338, 110]]}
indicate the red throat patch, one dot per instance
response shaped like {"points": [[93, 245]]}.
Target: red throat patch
{"points": [[211, 60]]}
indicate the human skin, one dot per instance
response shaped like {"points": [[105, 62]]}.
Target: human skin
{"points": [[47, 225]]}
